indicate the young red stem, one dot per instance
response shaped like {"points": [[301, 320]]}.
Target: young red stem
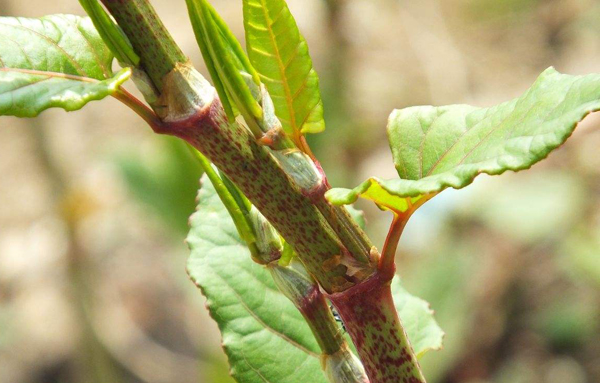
{"points": [[388, 253], [140, 109], [373, 324]]}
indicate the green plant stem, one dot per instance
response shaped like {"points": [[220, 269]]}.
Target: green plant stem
{"points": [[150, 39], [352, 236], [240, 221], [201, 121], [340, 365]]}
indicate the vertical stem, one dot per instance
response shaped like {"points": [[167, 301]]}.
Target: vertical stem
{"points": [[354, 238], [362, 295], [339, 363], [269, 189], [372, 321]]}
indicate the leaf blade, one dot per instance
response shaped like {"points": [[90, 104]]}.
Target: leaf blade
{"points": [[53, 61], [436, 148], [417, 318], [279, 53]]}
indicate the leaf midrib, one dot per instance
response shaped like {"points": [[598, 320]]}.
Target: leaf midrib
{"points": [[51, 74], [498, 126], [262, 323], [284, 81]]}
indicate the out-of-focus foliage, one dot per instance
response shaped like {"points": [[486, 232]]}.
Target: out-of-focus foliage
{"points": [[165, 177]]}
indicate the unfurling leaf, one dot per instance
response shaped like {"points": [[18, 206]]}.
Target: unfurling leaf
{"points": [[279, 53], [226, 62], [54, 61], [439, 147], [111, 33], [264, 335]]}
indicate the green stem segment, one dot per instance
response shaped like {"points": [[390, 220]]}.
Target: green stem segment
{"points": [[373, 323], [198, 118], [233, 149], [157, 50]]}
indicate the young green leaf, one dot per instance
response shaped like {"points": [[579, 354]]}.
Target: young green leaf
{"points": [[226, 62], [264, 335], [54, 61], [439, 147], [279, 53]]}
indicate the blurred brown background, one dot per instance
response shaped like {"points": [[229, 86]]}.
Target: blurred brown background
{"points": [[93, 207]]}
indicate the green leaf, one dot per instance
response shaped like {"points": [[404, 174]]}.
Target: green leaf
{"points": [[265, 337], [279, 53], [439, 147], [417, 318], [54, 61]]}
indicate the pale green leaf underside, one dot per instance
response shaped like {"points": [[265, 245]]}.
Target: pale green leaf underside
{"points": [[265, 337], [53, 61], [439, 147], [279, 53]]}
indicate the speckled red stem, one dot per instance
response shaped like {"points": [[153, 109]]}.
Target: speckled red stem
{"points": [[233, 149], [372, 321]]}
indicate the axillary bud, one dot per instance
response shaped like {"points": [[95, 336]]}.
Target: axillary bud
{"points": [[344, 367], [301, 169]]}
